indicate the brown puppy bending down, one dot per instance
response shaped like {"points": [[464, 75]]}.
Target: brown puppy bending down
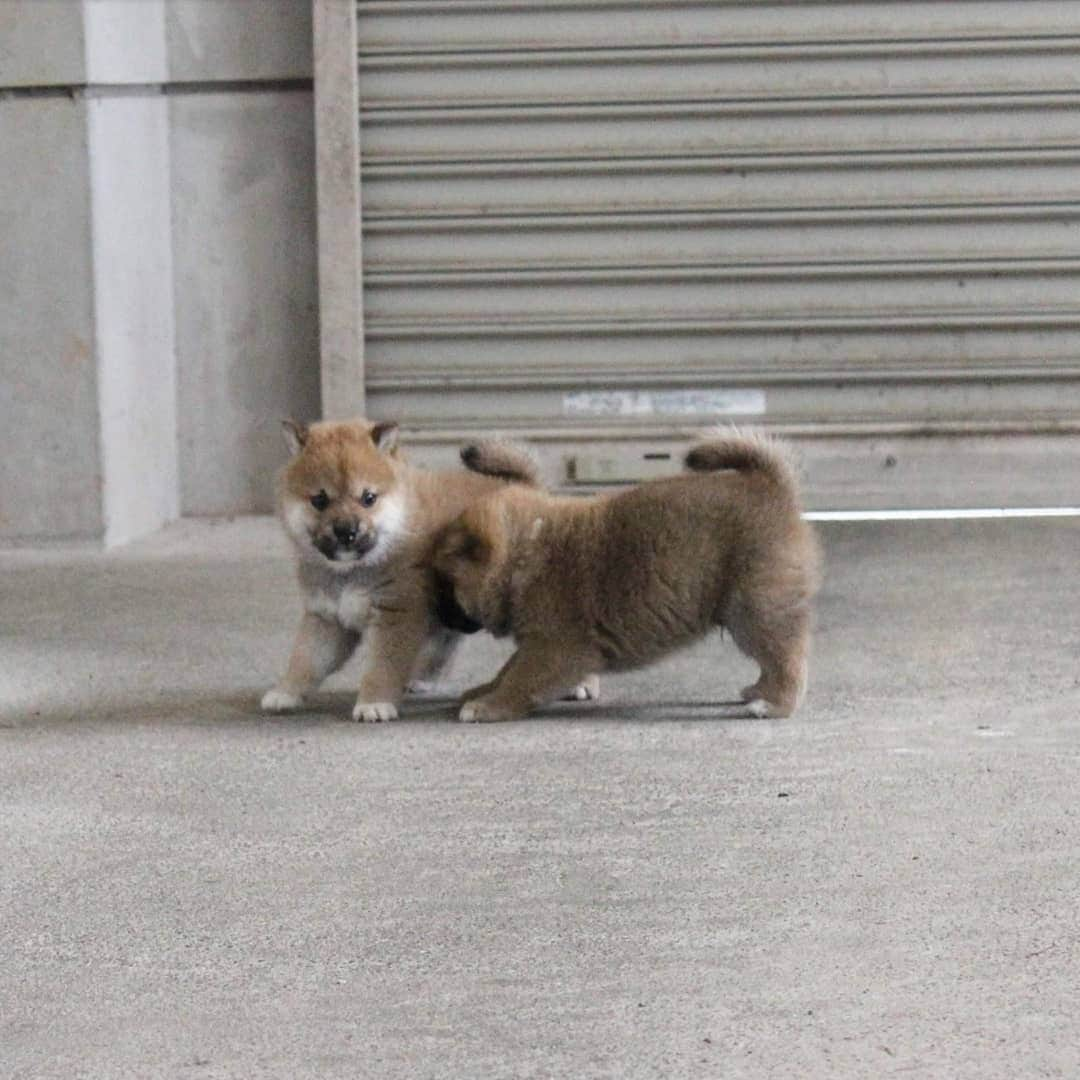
{"points": [[617, 581], [362, 521]]}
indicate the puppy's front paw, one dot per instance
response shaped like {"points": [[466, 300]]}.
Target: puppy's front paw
{"points": [[484, 711], [278, 700], [374, 712], [586, 690], [759, 708]]}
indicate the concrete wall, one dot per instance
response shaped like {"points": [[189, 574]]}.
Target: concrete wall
{"points": [[243, 167], [157, 273], [41, 43], [50, 471], [246, 306], [216, 40]]}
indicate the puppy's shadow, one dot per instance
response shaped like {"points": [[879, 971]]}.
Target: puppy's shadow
{"points": [[328, 708], [180, 708], [200, 709], [444, 707], [337, 706], [644, 711]]}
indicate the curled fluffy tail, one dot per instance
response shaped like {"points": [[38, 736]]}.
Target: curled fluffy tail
{"points": [[504, 460], [747, 452]]}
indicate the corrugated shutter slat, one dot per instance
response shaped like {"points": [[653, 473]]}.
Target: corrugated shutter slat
{"points": [[798, 195]]}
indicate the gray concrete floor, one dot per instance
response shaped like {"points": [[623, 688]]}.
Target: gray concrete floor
{"points": [[886, 884]]}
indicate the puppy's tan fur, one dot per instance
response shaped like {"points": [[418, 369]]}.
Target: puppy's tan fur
{"points": [[362, 521], [616, 581]]}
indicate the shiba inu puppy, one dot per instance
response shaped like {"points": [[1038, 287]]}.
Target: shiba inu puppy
{"points": [[362, 521], [617, 581]]}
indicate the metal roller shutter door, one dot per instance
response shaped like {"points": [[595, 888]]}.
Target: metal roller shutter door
{"points": [[607, 224]]}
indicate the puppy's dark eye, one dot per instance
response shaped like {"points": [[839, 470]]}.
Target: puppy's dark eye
{"points": [[368, 497], [320, 501]]}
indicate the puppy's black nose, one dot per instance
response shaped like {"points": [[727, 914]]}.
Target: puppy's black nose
{"points": [[346, 531]]}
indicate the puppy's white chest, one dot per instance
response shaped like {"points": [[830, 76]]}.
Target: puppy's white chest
{"points": [[348, 606]]}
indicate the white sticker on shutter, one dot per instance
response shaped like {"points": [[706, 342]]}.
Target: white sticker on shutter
{"points": [[698, 403]]}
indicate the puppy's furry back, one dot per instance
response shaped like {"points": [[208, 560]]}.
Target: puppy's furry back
{"points": [[748, 452]]}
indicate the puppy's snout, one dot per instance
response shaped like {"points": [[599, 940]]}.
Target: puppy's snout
{"points": [[346, 531]]}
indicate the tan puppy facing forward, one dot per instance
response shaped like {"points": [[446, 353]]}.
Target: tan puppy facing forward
{"points": [[362, 521], [617, 581]]}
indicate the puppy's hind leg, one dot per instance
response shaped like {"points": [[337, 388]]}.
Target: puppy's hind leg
{"points": [[435, 657], [321, 648], [778, 638]]}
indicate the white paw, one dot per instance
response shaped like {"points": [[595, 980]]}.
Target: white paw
{"points": [[482, 712], [760, 708], [374, 712], [277, 700], [469, 714], [587, 690]]}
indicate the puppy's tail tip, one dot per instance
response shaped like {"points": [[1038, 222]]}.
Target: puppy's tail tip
{"points": [[749, 451], [503, 460]]}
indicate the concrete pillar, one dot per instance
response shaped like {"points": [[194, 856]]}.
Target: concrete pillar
{"points": [[131, 243], [86, 316], [157, 259]]}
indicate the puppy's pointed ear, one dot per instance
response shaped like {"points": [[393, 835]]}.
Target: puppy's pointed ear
{"points": [[295, 436], [385, 436]]}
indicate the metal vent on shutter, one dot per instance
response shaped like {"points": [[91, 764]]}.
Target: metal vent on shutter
{"points": [[617, 222]]}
